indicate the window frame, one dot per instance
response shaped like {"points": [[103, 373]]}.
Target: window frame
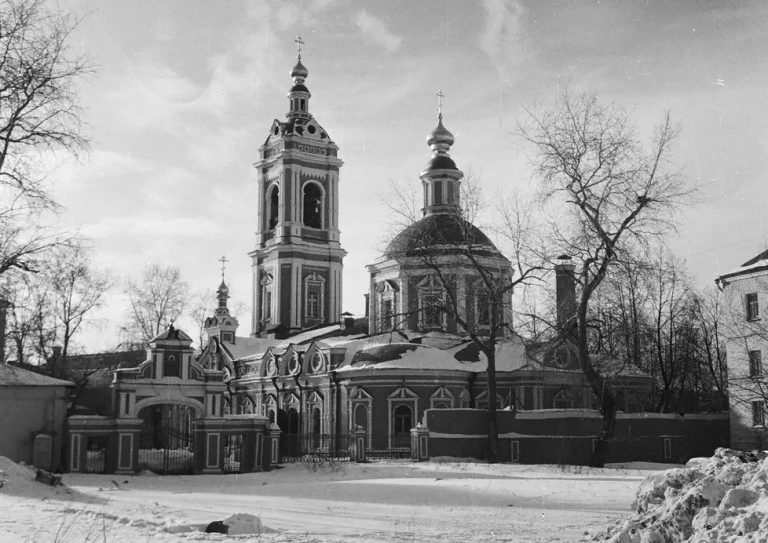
{"points": [[314, 284], [758, 413], [755, 363], [321, 211], [752, 306]]}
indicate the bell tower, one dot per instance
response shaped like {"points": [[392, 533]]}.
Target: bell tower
{"points": [[297, 262]]}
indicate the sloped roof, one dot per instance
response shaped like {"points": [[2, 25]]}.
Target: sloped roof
{"points": [[754, 264], [109, 360], [510, 356], [15, 376], [171, 334]]}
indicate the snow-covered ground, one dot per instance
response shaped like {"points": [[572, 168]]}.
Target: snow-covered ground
{"points": [[433, 501]]}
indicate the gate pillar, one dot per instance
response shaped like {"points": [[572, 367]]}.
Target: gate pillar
{"points": [[359, 437], [420, 442], [272, 446]]}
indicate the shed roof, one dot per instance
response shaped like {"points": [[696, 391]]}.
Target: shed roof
{"points": [[16, 376]]}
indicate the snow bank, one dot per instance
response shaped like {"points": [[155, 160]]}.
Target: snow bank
{"points": [[723, 498], [18, 480]]}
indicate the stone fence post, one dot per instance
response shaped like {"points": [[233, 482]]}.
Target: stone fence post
{"points": [[420, 442], [359, 437], [272, 441]]}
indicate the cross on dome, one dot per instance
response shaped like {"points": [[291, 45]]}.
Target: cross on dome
{"points": [[299, 42], [440, 97], [223, 261]]}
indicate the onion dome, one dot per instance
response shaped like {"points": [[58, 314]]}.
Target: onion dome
{"points": [[440, 140], [223, 288], [299, 71], [440, 135]]}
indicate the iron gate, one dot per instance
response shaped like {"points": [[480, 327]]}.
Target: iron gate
{"points": [[166, 442]]}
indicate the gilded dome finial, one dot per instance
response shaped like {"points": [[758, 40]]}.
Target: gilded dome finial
{"points": [[440, 139], [299, 71]]}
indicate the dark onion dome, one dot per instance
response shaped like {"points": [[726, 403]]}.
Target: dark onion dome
{"points": [[445, 233], [299, 70], [440, 135], [441, 162], [223, 288], [299, 88]]}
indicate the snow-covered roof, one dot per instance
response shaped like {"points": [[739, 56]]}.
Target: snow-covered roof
{"points": [[510, 356], [250, 347], [15, 376], [755, 264]]}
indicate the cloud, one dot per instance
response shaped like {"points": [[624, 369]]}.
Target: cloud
{"points": [[376, 31], [500, 39]]}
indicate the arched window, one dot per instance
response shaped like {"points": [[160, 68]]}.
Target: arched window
{"points": [[361, 416], [401, 425], [293, 421], [483, 308], [274, 204], [313, 206]]}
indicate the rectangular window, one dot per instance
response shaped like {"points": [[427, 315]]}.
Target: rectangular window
{"points": [[483, 310], [438, 193], [753, 309], [758, 413], [667, 448], [313, 304], [755, 364], [266, 310], [432, 313], [386, 315], [449, 195]]}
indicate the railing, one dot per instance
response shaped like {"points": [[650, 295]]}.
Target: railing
{"points": [[337, 448]]}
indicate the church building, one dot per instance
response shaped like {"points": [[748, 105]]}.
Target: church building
{"points": [[320, 373]]}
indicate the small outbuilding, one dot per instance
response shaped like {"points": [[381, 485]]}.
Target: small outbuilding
{"points": [[33, 411]]}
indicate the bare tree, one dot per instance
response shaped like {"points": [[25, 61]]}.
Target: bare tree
{"points": [[76, 290], [156, 302], [39, 115], [29, 318], [611, 197]]}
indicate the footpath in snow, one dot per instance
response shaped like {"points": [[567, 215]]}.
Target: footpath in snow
{"points": [[423, 502]]}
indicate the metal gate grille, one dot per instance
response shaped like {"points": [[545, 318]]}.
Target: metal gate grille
{"points": [[166, 442]]}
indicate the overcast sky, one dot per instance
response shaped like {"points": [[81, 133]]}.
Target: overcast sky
{"points": [[185, 92]]}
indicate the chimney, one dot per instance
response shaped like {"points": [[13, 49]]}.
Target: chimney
{"points": [[347, 322], [565, 295]]}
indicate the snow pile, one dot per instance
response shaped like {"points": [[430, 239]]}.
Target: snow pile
{"points": [[723, 498], [18, 480], [243, 523]]}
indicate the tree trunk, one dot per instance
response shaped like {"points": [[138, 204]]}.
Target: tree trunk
{"points": [[607, 432], [493, 429], [600, 387]]}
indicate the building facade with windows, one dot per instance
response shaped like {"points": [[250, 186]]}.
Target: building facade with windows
{"points": [[745, 290], [298, 259], [318, 373]]}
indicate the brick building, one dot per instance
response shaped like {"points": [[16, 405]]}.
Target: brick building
{"points": [[745, 289]]}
